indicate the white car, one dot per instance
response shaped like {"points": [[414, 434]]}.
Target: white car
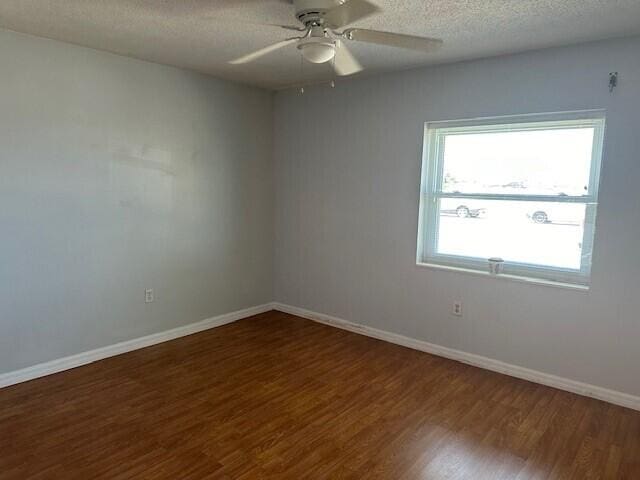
{"points": [[566, 213], [460, 209]]}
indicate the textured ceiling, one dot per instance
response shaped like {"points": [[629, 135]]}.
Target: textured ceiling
{"points": [[204, 35]]}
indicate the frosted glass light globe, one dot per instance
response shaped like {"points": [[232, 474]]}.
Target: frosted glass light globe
{"points": [[318, 52]]}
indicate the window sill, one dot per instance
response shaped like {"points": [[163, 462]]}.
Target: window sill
{"points": [[513, 278]]}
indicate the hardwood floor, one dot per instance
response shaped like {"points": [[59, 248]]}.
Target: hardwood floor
{"points": [[276, 396]]}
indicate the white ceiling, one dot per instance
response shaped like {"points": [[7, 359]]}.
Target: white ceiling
{"points": [[204, 35]]}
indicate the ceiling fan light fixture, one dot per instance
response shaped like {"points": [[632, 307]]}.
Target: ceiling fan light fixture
{"points": [[318, 50]]}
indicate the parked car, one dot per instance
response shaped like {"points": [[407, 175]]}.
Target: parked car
{"points": [[568, 214], [539, 216], [463, 211]]}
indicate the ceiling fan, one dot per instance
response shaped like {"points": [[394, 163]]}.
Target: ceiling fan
{"points": [[321, 41]]}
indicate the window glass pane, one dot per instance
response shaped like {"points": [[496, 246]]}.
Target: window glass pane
{"points": [[535, 162], [540, 233]]}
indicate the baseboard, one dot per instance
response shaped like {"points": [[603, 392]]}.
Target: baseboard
{"points": [[573, 386], [73, 361]]}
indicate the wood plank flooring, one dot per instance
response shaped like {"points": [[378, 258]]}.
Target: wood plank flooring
{"points": [[279, 397]]}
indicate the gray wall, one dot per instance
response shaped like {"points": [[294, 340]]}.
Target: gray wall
{"points": [[347, 191], [117, 175]]}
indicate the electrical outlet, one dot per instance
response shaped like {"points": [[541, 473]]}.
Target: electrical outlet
{"points": [[148, 295], [457, 309]]}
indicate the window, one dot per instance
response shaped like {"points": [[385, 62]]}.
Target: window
{"points": [[520, 191]]}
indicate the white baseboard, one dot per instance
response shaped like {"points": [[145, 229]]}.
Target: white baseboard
{"points": [[573, 386], [73, 361]]}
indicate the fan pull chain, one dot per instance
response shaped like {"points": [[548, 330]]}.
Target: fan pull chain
{"points": [[333, 66]]}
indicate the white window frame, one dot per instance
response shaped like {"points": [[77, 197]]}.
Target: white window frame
{"points": [[432, 180]]}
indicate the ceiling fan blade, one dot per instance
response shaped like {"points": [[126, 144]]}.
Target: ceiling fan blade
{"points": [[263, 51], [349, 12], [286, 27], [344, 63], [298, 28], [398, 40]]}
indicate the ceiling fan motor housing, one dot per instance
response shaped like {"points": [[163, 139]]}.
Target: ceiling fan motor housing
{"points": [[311, 12]]}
